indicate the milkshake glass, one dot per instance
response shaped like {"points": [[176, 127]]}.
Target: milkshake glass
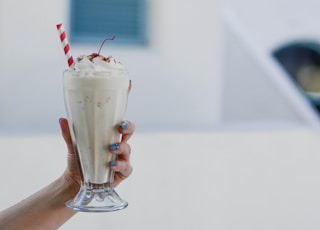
{"points": [[95, 102]]}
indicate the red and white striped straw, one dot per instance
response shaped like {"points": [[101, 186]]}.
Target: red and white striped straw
{"points": [[65, 45]]}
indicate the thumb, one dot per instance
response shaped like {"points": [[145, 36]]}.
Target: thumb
{"points": [[66, 134]]}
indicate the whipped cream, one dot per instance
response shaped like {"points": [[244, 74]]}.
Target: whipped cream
{"points": [[88, 64]]}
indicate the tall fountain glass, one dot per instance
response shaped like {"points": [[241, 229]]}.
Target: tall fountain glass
{"points": [[95, 107]]}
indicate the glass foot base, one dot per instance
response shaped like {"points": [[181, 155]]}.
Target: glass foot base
{"points": [[96, 199]]}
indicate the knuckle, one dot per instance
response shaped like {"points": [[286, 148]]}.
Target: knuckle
{"points": [[127, 169], [129, 149]]}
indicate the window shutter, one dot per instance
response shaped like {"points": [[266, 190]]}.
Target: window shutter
{"points": [[94, 20]]}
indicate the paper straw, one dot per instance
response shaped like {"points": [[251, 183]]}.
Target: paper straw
{"points": [[65, 45]]}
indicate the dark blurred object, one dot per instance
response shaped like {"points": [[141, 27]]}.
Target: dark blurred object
{"points": [[302, 62]]}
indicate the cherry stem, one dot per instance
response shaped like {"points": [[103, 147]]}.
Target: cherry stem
{"points": [[112, 38]]}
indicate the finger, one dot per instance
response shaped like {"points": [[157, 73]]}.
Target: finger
{"points": [[126, 128], [66, 134], [123, 150], [122, 168]]}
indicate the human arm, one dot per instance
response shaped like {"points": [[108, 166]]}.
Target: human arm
{"points": [[46, 208]]}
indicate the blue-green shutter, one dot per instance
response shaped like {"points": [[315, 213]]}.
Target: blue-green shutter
{"points": [[93, 20]]}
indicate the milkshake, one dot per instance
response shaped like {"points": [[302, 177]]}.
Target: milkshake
{"points": [[96, 93]]}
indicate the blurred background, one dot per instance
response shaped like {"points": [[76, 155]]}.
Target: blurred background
{"points": [[235, 81], [173, 64], [194, 65]]}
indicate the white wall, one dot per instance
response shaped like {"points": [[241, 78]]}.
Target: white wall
{"points": [[175, 78], [278, 21]]}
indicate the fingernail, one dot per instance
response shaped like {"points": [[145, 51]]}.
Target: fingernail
{"points": [[124, 125], [114, 146], [113, 163]]}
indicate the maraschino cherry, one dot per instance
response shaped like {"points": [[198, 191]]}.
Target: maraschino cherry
{"points": [[98, 54]]}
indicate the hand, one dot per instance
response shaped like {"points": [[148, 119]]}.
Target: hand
{"points": [[122, 167]]}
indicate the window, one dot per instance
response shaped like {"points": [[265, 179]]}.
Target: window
{"points": [[94, 20]]}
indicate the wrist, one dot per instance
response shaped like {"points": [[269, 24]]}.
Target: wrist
{"points": [[62, 191], [68, 188]]}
